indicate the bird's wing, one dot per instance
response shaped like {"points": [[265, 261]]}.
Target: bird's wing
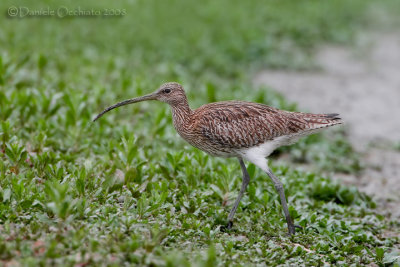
{"points": [[237, 124]]}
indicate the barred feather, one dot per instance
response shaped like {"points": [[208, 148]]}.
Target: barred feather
{"points": [[224, 128]]}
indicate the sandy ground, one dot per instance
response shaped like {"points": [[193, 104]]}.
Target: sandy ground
{"points": [[362, 83]]}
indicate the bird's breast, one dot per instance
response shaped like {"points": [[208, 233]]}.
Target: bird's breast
{"points": [[194, 136]]}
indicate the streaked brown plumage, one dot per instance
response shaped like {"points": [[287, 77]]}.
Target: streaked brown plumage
{"points": [[245, 130], [222, 128]]}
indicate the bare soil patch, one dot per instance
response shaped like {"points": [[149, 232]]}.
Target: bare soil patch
{"points": [[362, 83]]}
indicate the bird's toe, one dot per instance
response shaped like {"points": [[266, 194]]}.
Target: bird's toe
{"points": [[227, 227], [298, 226]]}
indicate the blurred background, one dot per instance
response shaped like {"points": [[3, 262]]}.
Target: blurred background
{"points": [[62, 62]]}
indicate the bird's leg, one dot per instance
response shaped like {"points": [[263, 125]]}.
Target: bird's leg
{"points": [[245, 182], [279, 187]]}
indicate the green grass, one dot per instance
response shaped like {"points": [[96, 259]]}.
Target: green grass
{"points": [[127, 189]]}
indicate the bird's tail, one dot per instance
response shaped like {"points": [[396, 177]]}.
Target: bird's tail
{"points": [[317, 121], [332, 116]]}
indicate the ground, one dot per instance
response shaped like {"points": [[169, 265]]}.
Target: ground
{"points": [[126, 190]]}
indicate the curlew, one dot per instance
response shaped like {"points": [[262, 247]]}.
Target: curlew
{"points": [[245, 130]]}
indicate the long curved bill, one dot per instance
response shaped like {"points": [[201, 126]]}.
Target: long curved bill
{"points": [[127, 102]]}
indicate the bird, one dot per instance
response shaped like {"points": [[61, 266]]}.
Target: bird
{"points": [[245, 130]]}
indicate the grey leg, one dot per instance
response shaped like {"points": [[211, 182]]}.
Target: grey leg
{"points": [[279, 187], [245, 182]]}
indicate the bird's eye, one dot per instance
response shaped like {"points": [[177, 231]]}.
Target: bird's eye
{"points": [[167, 90]]}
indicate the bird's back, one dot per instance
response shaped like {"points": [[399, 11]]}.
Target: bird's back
{"points": [[222, 128]]}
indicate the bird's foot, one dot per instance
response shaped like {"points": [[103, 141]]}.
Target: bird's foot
{"points": [[298, 226], [225, 228], [292, 229]]}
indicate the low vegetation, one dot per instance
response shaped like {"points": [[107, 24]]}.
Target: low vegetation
{"points": [[126, 189]]}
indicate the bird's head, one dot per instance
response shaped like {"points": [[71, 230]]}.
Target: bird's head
{"points": [[171, 93]]}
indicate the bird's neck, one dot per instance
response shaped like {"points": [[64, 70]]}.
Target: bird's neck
{"points": [[181, 116]]}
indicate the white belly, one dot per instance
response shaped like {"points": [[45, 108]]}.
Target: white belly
{"points": [[257, 154], [263, 150]]}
